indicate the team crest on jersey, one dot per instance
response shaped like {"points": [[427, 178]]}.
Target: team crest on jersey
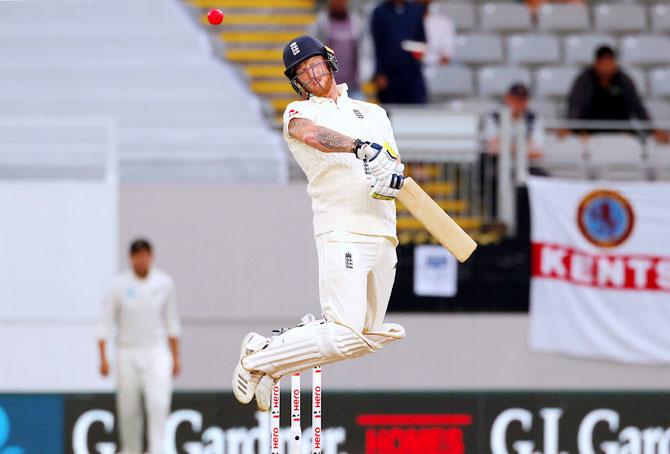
{"points": [[348, 261], [294, 48], [292, 113], [358, 114], [605, 218]]}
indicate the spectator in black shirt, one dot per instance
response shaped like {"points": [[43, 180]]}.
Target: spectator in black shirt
{"points": [[398, 74], [605, 92]]}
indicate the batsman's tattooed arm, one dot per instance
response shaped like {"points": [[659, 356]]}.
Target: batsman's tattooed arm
{"points": [[323, 139]]}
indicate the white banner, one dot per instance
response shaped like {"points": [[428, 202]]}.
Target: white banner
{"points": [[600, 284], [435, 271]]}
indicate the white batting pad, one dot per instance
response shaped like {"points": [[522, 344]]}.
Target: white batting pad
{"points": [[317, 343]]}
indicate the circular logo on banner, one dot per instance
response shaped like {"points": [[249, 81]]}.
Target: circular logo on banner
{"points": [[605, 218]]}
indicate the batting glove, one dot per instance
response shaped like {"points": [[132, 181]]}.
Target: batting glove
{"points": [[387, 187], [380, 159]]}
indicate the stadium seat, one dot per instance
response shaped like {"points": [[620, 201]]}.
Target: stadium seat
{"points": [[504, 17], [620, 18], [659, 160], [639, 78], [477, 48], [545, 108], [533, 49], [660, 82], [564, 157], [555, 81], [658, 109], [462, 13], [660, 18], [579, 49], [559, 17], [478, 106], [616, 156], [496, 80], [645, 50], [452, 80]]}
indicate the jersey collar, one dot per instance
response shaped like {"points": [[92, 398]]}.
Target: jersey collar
{"points": [[343, 89]]}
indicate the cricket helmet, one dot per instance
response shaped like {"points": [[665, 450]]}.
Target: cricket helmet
{"points": [[299, 50]]}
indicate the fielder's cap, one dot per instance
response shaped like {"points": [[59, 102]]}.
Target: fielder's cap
{"points": [[299, 50], [518, 89]]}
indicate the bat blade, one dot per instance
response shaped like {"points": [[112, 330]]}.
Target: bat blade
{"points": [[445, 230]]}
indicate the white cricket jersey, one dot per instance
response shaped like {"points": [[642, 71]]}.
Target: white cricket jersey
{"points": [[336, 181], [143, 311]]}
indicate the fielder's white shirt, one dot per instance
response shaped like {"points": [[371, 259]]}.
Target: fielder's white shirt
{"points": [[143, 311], [336, 181]]}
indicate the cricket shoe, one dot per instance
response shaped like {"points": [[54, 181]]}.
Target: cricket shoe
{"points": [[264, 392], [246, 381]]}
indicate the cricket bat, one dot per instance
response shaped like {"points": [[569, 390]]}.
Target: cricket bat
{"points": [[436, 221]]}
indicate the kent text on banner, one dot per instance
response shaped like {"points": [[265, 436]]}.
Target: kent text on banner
{"points": [[600, 263]]}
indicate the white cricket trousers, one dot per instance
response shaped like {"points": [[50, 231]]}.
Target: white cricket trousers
{"points": [[356, 275], [143, 372]]}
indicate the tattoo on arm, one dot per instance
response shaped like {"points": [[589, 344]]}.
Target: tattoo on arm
{"points": [[333, 140], [324, 139]]}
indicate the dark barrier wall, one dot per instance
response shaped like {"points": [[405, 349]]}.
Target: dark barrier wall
{"points": [[362, 423]]}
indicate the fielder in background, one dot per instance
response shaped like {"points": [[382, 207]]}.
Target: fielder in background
{"points": [[347, 150], [141, 309]]}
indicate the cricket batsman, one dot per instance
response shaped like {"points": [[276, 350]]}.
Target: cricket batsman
{"points": [[348, 153]]}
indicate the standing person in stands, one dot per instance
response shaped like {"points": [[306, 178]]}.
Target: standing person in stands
{"points": [[343, 30], [141, 311], [605, 92], [516, 100], [398, 74]]}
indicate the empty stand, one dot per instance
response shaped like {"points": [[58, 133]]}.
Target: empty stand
{"points": [[179, 113]]}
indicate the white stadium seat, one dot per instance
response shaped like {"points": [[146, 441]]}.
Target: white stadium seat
{"points": [[478, 106], [533, 49], [660, 82], [555, 81], [616, 156], [462, 13], [564, 157], [452, 80], [660, 18], [496, 80], [545, 108], [620, 18], [645, 50], [478, 48], [580, 49], [659, 160], [566, 17], [658, 109], [504, 17], [639, 78]]}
